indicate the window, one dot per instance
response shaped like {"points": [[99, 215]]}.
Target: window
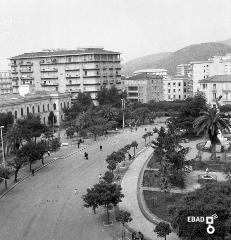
{"points": [[43, 108], [174, 96], [204, 86], [21, 111], [174, 84], [70, 81], [179, 96], [69, 59], [169, 84], [44, 120], [67, 104], [54, 106], [27, 110], [169, 97], [61, 105], [56, 88], [85, 73], [64, 105], [15, 114], [48, 107], [214, 86], [38, 108], [33, 109], [226, 96], [179, 84], [169, 90], [174, 90], [214, 96]]}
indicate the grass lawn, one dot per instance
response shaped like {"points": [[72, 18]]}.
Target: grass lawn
{"points": [[150, 179], [158, 205], [153, 163], [214, 167]]}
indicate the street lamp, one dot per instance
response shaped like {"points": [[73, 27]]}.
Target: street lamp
{"points": [[123, 108], [3, 156]]}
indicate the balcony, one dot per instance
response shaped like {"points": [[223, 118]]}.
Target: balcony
{"points": [[93, 76], [72, 84], [26, 64], [49, 62], [26, 71], [49, 70], [49, 84], [14, 72], [72, 76], [14, 78], [49, 77], [27, 78], [74, 69]]}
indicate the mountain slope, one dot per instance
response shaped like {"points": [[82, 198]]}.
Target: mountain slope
{"points": [[190, 53], [143, 62], [227, 41]]}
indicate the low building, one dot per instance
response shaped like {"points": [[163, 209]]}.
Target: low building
{"points": [[177, 88], [5, 83], [216, 86], [41, 103], [143, 87], [183, 70], [156, 71]]}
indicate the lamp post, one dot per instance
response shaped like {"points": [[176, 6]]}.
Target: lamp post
{"points": [[3, 155], [123, 108]]}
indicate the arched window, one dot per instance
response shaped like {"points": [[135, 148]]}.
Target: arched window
{"points": [[38, 108], [21, 111], [54, 106], [33, 109], [48, 107], [43, 108], [15, 114], [27, 110]]}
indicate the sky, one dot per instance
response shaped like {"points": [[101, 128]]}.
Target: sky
{"points": [[133, 27]]}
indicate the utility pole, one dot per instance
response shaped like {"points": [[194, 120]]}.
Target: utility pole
{"points": [[3, 155], [123, 108]]}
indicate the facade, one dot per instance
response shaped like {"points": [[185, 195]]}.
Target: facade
{"points": [[71, 71], [40, 103], [143, 87], [159, 72], [183, 70], [216, 86], [177, 88], [5, 83], [218, 65]]}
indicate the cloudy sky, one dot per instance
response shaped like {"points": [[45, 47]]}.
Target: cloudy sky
{"points": [[133, 27]]}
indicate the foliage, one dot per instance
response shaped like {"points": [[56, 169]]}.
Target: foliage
{"points": [[4, 173], [70, 131], [91, 199], [141, 114], [134, 144], [111, 165], [52, 119], [123, 216], [162, 229], [55, 144], [145, 137], [6, 119], [212, 198], [108, 177]]}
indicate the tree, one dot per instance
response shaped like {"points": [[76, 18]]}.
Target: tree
{"points": [[6, 120], [149, 134], [70, 131], [91, 199], [84, 99], [210, 123], [141, 114], [55, 144], [145, 137], [162, 229], [123, 217], [111, 165], [52, 119], [108, 177], [134, 144]]}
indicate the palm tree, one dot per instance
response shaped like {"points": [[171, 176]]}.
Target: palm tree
{"points": [[210, 123], [134, 144]]}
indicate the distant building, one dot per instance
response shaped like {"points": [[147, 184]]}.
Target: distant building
{"points": [[41, 103], [159, 72], [217, 65], [183, 70], [177, 88], [74, 71], [5, 83], [215, 86], [143, 87]]}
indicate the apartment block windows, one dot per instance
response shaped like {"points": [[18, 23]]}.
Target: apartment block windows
{"points": [[214, 96], [179, 84], [174, 84], [214, 86], [85, 73], [226, 96], [69, 59], [169, 90], [169, 84], [174, 90], [54, 106], [204, 86]]}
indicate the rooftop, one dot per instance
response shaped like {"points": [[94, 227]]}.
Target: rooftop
{"points": [[150, 70], [82, 51], [15, 99], [142, 76], [216, 79]]}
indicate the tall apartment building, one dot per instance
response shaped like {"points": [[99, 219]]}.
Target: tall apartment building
{"points": [[217, 65], [177, 88], [183, 70], [5, 83], [62, 71], [143, 87]]}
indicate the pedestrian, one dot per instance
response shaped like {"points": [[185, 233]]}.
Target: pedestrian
{"points": [[100, 176], [145, 129], [78, 143], [129, 156], [133, 236], [32, 172], [100, 147], [48, 153], [87, 156]]}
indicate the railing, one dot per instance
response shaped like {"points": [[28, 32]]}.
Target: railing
{"points": [[26, 64]]}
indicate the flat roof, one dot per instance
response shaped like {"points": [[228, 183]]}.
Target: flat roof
{"points": [[83, 51], [151, 70], [217, 79], [142, 76]]}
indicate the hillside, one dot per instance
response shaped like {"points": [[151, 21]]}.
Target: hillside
{"points": [[143, 62], [190, 53], [227, 41]]}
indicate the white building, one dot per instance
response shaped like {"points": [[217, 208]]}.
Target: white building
{"points": [[5, 83], [71, 71], [159, 72], [218, 65], [183, 70], [215, 86]]}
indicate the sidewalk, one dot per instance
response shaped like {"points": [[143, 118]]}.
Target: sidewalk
{"points": [[130, 201]]}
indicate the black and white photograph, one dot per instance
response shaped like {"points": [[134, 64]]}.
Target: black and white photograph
{"points": [[115, 119]]}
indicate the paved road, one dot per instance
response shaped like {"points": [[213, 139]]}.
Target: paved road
{"points": [[45, 207]]}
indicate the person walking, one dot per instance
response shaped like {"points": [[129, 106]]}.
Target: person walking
{"points": [[32, 171], [48, 153], [86, 156], [78, 143], [100, 148]]}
